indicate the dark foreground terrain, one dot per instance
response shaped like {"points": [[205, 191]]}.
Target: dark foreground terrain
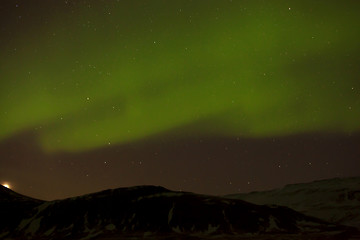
{"points": [[150, 212]]}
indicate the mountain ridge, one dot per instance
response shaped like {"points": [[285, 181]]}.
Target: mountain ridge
{"points": [[153, 211], [336, 200]]}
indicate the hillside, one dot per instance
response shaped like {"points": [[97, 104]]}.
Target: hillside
{"points": [[154, 212], [335, 200]]}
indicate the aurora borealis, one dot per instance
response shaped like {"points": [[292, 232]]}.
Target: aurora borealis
{"points": [[85, 76]]}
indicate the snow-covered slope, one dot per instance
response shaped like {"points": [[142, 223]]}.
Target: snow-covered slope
{"points": [[150, 212], [334, 200]]}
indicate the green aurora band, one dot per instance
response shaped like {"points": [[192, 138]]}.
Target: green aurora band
{"points": [[94, 73]]}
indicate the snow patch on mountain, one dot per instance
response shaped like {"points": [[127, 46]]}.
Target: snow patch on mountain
{"points": [[171, 212], [34, 226], [273, 227], [110, 227], [50, 231]]}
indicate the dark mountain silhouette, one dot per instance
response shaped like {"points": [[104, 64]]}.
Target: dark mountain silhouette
{"points": [[335, 200], [154, 212], [13, 208]]}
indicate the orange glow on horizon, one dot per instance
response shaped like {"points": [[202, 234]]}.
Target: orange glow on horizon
{"points": [[7, 185]]}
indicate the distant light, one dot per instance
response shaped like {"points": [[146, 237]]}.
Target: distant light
{"points": [[6, 185]]}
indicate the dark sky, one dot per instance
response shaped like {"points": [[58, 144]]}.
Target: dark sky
{"points": [[209, 96]]}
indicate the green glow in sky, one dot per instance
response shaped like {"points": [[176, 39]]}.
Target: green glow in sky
{"points": [[89, 74]]}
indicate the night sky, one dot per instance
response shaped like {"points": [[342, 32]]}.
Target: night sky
{"points": [[208, 96]]}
